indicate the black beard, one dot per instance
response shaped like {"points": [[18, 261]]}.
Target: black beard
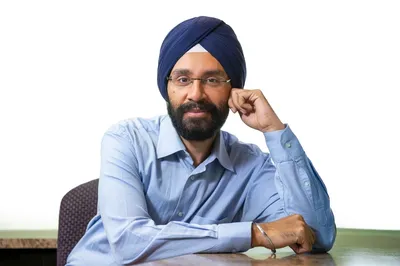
{"points": [[198, 128]]}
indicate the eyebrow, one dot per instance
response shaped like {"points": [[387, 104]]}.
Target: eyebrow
{"points": [[215, 72]]}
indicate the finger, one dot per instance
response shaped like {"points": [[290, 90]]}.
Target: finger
{"points": [[248, 108], [239, 103], [232, 101], [251, 95], [310, 235], [305, 246], [241, 98], [303, 241], [245, 106], [231, 105], [244, 103], [235, 100], [295, 248], [314, 238]]}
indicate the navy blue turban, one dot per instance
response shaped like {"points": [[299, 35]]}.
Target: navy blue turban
{"points": [[217, 37]]}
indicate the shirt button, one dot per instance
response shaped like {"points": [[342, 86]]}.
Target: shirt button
{"points": [[192, 178], [288, 145], [180, 214], [306, 184]]}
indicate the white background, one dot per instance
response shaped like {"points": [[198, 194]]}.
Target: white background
{"points": [[70, 69]]}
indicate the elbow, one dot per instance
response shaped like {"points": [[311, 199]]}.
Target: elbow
{"points": [[325, 233], [326, 237], [127, 251], [129, 240]]}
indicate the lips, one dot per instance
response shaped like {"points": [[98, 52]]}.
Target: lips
{"points": [[196, 111]]}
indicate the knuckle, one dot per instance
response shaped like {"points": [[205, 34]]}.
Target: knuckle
{"points": [[298, 216], [301, 224], [301, 230]]}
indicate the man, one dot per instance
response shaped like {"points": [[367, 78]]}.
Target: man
{"points": [[177, 184]]}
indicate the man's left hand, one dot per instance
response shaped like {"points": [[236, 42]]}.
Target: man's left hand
{"points": [[254, 110]]}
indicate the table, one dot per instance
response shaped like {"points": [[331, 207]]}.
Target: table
{"points": [[352, 247]]}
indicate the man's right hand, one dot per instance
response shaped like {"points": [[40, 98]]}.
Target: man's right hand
{"points": [[290, 231]]}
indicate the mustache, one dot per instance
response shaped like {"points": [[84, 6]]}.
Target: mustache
{"points": [[201, 106]]}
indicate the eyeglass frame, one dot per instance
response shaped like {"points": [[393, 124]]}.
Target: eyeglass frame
{"points": [[202, 81]]}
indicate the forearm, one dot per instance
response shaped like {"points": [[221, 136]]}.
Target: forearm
{"points": [[142, 240], [302, 193], [300, 187]]}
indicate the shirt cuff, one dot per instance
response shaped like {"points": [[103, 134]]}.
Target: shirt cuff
{"points": [[233, 237], [283, 145]]}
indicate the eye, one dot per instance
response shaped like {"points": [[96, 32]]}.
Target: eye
{"points": [[183, 80], [212, 80]]}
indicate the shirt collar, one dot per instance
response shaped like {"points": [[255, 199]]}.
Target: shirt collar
{"points": [[219, 149], [169, 143]]}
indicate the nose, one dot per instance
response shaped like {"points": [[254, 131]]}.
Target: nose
{"points": [[195, 91]]}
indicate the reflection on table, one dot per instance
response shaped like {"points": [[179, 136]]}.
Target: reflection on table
{"points": [[352, 247], [243, 259]]}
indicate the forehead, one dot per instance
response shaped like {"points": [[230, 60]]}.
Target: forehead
{"points": [[198, 63]]}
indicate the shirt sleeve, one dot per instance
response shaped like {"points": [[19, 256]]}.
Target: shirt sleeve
{"points": [[131, 232], [299, 188]]}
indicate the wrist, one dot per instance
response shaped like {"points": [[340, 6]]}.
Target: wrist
{"points": [[274, 127], [261, 237], [255, 233]]}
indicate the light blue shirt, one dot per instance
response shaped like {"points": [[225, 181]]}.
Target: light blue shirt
{"points": [[154, 204]]}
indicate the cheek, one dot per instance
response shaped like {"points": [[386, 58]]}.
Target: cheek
{"points": [[170, 91], [176, 96], [220, 97]]}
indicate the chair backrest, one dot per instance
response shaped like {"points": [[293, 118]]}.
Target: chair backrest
{"points": [[77, 208]]}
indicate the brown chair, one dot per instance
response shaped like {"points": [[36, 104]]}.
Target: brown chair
{"points": [[77, 208]]}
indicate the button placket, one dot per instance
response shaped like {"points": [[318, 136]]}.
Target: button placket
{"points": [[180, 213]]}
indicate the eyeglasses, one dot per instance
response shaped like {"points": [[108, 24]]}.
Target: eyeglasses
{"points": [[183, 81]]}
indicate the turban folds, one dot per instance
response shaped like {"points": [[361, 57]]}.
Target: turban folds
{"points": [[217, 37]]}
